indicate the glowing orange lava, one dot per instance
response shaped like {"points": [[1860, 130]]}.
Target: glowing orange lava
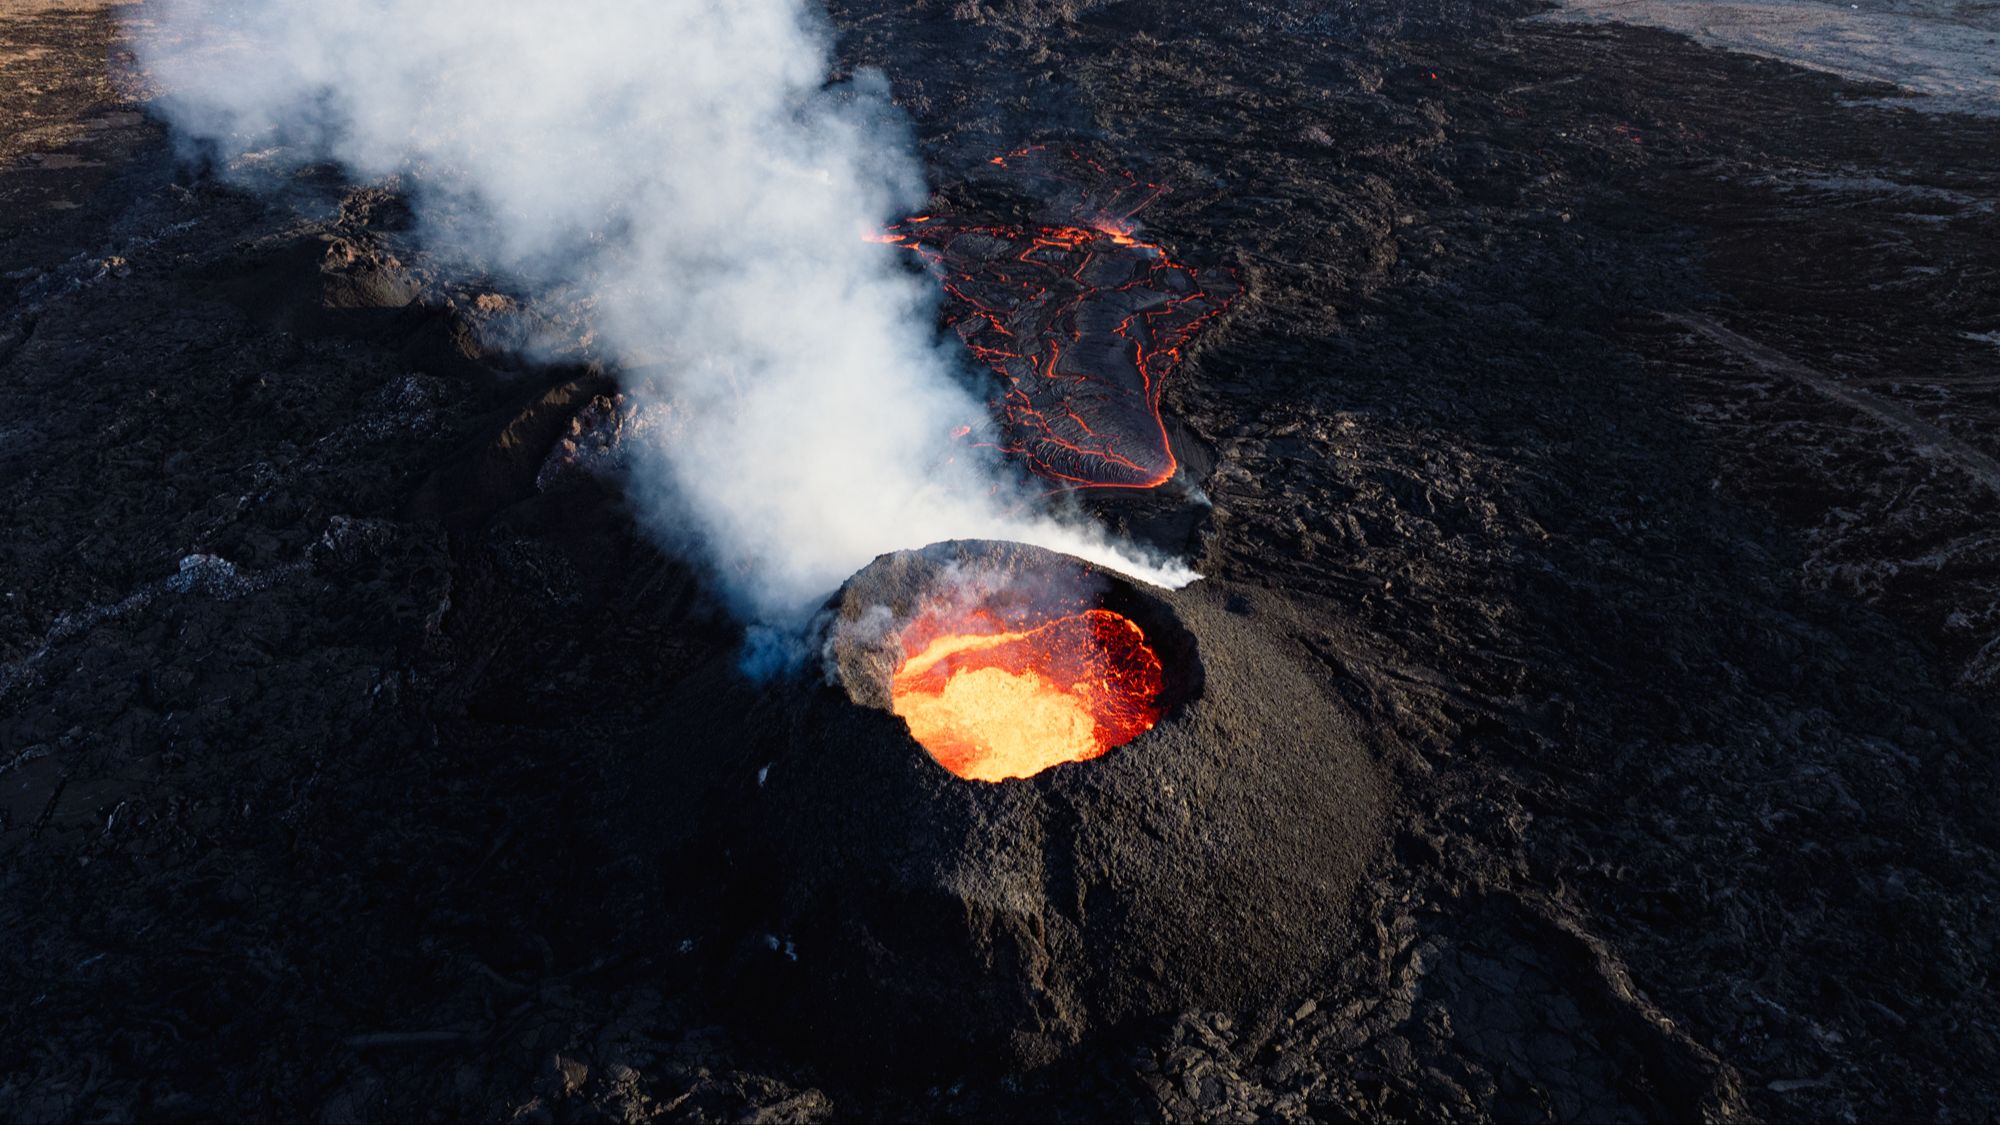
{"points": [[1082, 321], [990, 703]]}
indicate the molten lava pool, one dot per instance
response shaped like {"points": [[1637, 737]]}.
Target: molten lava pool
{"points": [[992, 703]]}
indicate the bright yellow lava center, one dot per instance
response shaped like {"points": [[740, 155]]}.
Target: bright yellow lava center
{"points": [[1042, 726]]}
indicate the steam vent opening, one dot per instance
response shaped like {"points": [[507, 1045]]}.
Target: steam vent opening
{"points": [[992, 701]]}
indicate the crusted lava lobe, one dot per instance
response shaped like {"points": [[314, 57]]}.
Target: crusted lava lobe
{"points": [[982, 925], [1082, 321]]}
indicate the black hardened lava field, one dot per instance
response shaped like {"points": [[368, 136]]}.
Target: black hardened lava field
{"points": [[1420, 561]]}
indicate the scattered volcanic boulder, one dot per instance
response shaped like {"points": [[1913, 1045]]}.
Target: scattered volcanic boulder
{"points": [[599, 441], [958, 922]]}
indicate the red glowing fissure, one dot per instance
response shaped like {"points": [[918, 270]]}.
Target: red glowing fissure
{"points": [[1082, 321]]}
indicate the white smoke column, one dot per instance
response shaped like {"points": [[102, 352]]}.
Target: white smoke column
{"points": [[685, 165]]}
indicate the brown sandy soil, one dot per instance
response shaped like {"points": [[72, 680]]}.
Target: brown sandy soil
{"points": [[67, 117], [1604, 438]]}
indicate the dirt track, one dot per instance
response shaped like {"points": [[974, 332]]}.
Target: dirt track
{"points": [[1604, 416]]}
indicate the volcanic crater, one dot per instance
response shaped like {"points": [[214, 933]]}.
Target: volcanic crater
{"points": [[990, 924]]}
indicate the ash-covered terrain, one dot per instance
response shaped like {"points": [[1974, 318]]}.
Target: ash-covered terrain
{"points": [[1604, 443]]}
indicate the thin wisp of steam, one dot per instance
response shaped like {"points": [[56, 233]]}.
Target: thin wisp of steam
{"points": [[688, 168]]}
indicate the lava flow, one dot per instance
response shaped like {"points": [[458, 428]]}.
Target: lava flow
{"points": [[1082, 321], [991, 703]]}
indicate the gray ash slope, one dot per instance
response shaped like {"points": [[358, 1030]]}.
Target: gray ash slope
{"points": [[1582, 414]]}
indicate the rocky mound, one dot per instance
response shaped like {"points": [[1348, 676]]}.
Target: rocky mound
{"points": [[1208, 861]]}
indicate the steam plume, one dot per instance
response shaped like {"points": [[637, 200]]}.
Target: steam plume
{"points": [[689, 168]]}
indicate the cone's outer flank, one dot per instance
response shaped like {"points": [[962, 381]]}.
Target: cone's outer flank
{"points": [[1207, 863]]}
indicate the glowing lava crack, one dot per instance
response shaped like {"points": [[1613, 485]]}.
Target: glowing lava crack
{"points": [[1082, 321], [990, 704]]}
